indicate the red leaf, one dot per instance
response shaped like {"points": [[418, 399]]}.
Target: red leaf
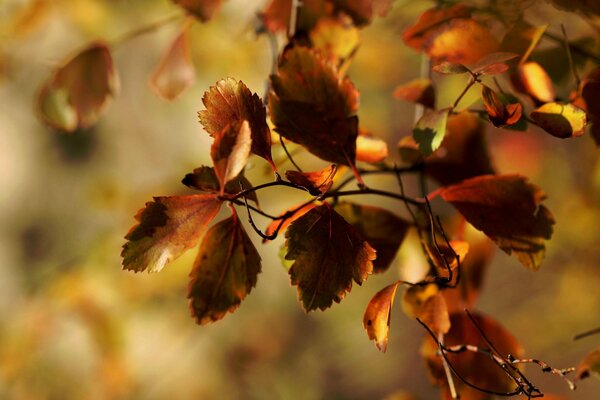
{"points": [[376, 319], [328, 254], [316, 183], [224, 273], [507, 209], [204, 10], [294, 214], [77, 93], [309, 105], [500, 114], [230, 151], [168, 226]]}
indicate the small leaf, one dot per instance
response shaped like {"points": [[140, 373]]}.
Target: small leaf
{"points": [[168, 226], [434, 314], [205, 179], [500, 114], [230, 151], [362, 11], [560, 120], [531, 79], [203, 10], [317, 183], [328, 255], [175, 72], [448, 68], [370, 148], [224, 273], [492, 64], [507, 209], [430, 130], [383, 230], [418, 90], [589, 365], [231, 101], [77, 93], [376, 319]]}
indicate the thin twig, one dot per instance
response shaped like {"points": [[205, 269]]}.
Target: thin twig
{"points": [[587, 333], [472, 81], [574, 47], [289, 156], [570, 56], [453, 392]]}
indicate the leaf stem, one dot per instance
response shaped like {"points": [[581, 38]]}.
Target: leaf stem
{"points": [[472, 81]]}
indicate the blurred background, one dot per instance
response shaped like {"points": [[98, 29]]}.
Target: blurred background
{"points": [[73, 325]]}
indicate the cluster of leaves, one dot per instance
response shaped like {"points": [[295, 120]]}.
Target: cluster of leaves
{"points": [[330, 243]]}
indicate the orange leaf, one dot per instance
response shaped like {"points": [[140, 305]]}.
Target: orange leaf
{"points": [[589, 365], [205, 179], [168, 226], [434, 314], [309, 105], [231, 100], [317, 183], [415, 297], [328, 255], [224, 273], [531, 79], [418, 90], [175, 72], [376, 319], [500, 114], [204, 10], [370, 148], [295, 214], [362, 11], [507, 209], [230, 151], [77, 94], [337, 38]]}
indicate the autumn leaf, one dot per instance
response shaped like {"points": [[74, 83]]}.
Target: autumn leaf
{"points": [[286, 218], [590, 365], [328, 254], [224, 273], [203, 10], [276, 15], [231, 101], [430, 130], [77, 94], [362, 11], [434, 314], [370, 148], [419, 90], [383, 230], [561, 120], [317, 183], [531, 79], [205, 179], [230, 151], [310, 106], [445, 258], [336, 38], [168, 226], [415, 297], [508, 209], [376, 319], [500, 114], [492, 64], [175, 72], [450, 68]]}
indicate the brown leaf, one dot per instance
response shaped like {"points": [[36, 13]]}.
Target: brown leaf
{"points": [[383, 230], [205, 179], [168, 226], [370, 148], [531, 79], [418, 90], [415, 297], [230, 151], [561, 120], [231, 100], [175, 72], [317, 183], [224, 273], [376, 319], [589, 365], [434, 314], [508, 209], [77, 94], [362, 11], [492, 64], [309, 105], [204, 10], [328, 254], [476, 368], [500, 114]]}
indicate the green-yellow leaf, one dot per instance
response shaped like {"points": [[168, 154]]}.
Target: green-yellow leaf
{"points": [[430, 130], [376, 319]]}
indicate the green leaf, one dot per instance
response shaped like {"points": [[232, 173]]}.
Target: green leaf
{"points": [[168, 226], [430, 130], [328, 254], [224, 273]]}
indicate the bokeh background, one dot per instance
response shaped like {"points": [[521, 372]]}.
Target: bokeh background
{"points": [[73, 325]]}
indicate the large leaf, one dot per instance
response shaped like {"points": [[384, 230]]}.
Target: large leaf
{"points": [[205, 179], [224, 273], [231, 100], [383, 230], [230, 151], [168, 226], [376, 319], [508, 209], [328, 254], [77, 93], [204, 10], [309, 105]]}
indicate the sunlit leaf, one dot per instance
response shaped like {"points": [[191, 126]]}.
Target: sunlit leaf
{"points": [[590, 365], [335, 37], [434, 314], [418, 90], [231, 100], [415, 297], [316, 183], [224, 273], [508, 209], [168, 226], [370, 149], [309, 105], [449, 68], [230, 151], [561, 120], [77, 93], [287, 218], [383, 230], [328, 255], [362, 11], [531, 79], [175, 72], [500, 114], [205, 179], [204, 10], [376, 319], [430, 130]]}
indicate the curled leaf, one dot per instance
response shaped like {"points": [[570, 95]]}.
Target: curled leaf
{"points": [[376, 319], [418, 90], [560, 120], [317, 183], [168, 226], [230, 151], [445, 258], [224, 273]]}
